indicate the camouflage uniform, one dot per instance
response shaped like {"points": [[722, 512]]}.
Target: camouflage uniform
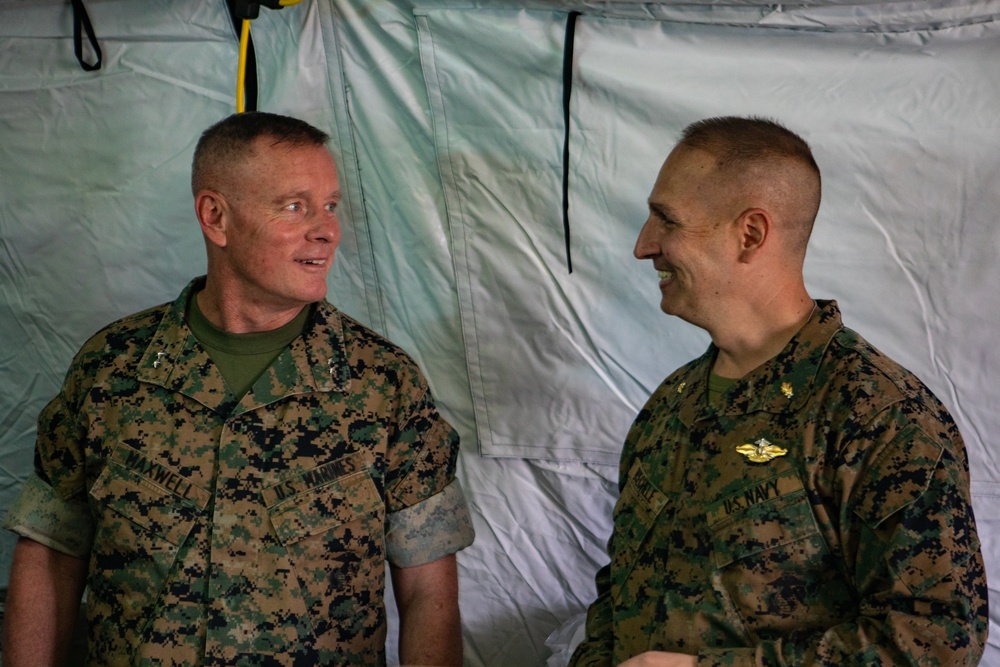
{"points": [[856, 547], [242, 533]]}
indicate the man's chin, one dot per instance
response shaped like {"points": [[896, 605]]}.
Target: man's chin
{"points": [[674, 310], [316, 293]]}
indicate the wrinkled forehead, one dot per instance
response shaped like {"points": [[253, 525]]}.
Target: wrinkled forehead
{"points": [[278, 166], [689, 172], [693, 185], [268, 153]]}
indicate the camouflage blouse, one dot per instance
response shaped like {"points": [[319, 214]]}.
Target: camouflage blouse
{"points": [[241, 533], [821, 516]]}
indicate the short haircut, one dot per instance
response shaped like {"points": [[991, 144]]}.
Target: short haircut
{"points": [[758, 145], [231, 140], [734, 140]]}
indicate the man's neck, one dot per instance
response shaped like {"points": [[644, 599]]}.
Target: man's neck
{"points": [[242, 316], [759, 336]]}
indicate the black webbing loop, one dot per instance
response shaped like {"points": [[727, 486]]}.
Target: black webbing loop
{"points": [[567, 91], [237, 12], [81, 19]]}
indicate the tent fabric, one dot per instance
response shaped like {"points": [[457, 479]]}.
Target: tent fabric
{"points": [[447, 127], [559, 388], [568, 385]]}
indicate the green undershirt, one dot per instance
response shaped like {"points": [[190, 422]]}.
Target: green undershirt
{"points": [[242, 358], [717, 386]]}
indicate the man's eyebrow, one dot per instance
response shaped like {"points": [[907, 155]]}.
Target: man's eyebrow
{"points": [[285, 196], [303, 194], [662, 210]]}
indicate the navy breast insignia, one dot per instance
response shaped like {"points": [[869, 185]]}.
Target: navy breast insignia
{"points": [[761, 451]]}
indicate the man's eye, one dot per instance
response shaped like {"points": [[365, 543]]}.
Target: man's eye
{"points": [[656, 213], [296, 207], [331, 208]]}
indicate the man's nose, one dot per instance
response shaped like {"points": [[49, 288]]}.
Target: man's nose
{"points": [[646, 246], [325, 227]]}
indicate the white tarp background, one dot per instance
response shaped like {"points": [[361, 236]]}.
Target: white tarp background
{"points": [[447, 126]]}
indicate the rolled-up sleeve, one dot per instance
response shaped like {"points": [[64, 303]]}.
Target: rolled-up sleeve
{"points": [[430, 529], [40, 514]]}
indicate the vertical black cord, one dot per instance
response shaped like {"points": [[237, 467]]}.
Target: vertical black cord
{"points": [[567, 90], [81, 19]]}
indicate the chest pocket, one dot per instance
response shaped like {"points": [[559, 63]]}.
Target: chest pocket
{"points": [[321, 499], [330, 520], [774, 565], [768, 515], [149, 495], [145, 513], [635, 515]]}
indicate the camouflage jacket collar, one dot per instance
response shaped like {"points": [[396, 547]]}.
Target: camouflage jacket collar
{"points": [[316, 361], [782, 384]]}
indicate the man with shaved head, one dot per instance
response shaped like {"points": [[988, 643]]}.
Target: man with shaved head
{"points": [[792, 496], [229, 473]]}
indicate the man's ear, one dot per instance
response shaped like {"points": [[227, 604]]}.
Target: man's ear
{"points": [[755, 230], [213, 214]]}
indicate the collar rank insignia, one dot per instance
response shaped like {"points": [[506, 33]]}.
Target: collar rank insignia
{"points": [[786, 389], [761, 451]]}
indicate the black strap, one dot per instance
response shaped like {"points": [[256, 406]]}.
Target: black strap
{"points": [[567, 91], [80, 18], [237, 12]]}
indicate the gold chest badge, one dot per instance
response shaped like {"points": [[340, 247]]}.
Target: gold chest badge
{"points": [[761, 451]]}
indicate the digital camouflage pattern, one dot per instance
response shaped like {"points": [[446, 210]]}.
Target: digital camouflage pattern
{"points": [[857, 546], [250, 532]]}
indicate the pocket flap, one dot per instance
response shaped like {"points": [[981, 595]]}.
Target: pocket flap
{"points": [[150, 495], [771, 514], [325, 497]]}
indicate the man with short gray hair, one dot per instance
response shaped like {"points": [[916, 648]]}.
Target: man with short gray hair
{"points": [[227, 474]]}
